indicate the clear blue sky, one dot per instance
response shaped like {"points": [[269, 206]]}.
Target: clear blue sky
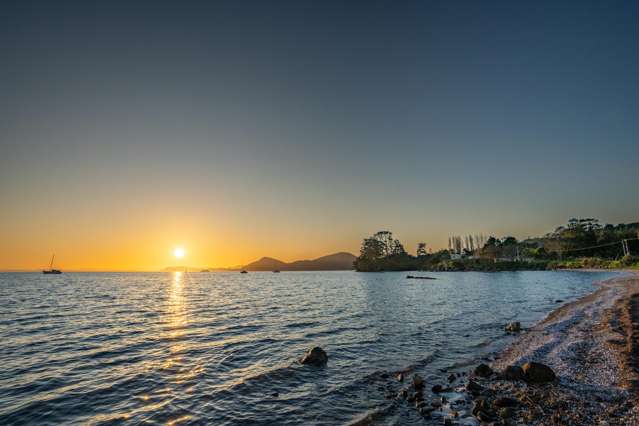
{"points": [[298, 128]]}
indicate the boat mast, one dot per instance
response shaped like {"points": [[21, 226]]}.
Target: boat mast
{"points": [[51, 265]]}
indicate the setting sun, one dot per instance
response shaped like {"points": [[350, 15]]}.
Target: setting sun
{"points": [[179, 252]]}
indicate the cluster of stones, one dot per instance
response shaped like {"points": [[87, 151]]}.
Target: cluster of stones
{"points": [[414, 394], [489, 403], [489, 407]]}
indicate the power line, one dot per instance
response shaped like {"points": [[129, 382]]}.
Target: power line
{"points": [[624, 245]]}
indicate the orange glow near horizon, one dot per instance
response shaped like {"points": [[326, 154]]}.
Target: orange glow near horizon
{"points": [[147, 244]]}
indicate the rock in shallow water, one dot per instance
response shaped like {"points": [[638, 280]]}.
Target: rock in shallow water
{"points": [[535, 372], [316, 356], [482, 370], [418, 382], [513, 327], [474, 387]]}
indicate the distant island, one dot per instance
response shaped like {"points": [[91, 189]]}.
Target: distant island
{"points": [[582, 243], [333, 262]]}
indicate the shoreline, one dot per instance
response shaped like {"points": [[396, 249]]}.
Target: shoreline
{"points": [[592, 345]]}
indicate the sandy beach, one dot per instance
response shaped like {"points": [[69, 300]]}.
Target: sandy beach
{"points": [[591, 345]]}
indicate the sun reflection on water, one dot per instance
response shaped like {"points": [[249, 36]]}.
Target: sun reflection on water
{"points": [[177, 318]]}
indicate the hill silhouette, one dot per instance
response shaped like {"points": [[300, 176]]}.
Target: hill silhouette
{"points": [[333, 262]]}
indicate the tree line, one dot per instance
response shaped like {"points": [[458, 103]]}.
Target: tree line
{"points": [[578, 238]]}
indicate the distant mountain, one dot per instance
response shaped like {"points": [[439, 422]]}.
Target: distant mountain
{"points": [[333, 262]]}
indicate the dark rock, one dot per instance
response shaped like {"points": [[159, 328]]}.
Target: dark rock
{"points": [[419, 396], [483, 370], [275, 394], [513, 327], [451, 378], [506, 412], [402, 394], [315, 356], [535, 372], [437, 388], [479, 405], [418, 382], [505, 401], [485, 416], [425, 411], [474, 387], [436, 403], [384, 375], [558, 301], [400, 377], [482, 410], [513, 372]]}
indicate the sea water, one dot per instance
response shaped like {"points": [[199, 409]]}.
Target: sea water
{"points": [[222, 348]]}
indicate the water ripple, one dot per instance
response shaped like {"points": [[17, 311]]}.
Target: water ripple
{"points": [[221, 348]]}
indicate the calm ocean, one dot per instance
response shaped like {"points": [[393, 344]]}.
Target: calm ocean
{"points": [[221, 348]]}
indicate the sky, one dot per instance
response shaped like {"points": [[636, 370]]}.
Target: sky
{"points": [[294, 129]]}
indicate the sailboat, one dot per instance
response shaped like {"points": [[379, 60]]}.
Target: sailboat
{"points": [[51, 270]]}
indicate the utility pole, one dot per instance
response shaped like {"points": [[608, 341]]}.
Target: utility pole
{"points": [[624, 245]]}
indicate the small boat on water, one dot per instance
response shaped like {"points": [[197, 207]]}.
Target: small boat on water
{"points": [[276, 271], [51, 270], [244, 272]]}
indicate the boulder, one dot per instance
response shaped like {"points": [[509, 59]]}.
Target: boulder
{"points": [[452, 378], [316, 356], [513, 327], [535, 372], [482, 370], [513, 372]]}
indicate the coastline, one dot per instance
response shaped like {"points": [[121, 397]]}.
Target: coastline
{"points": [[592, 345]]}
